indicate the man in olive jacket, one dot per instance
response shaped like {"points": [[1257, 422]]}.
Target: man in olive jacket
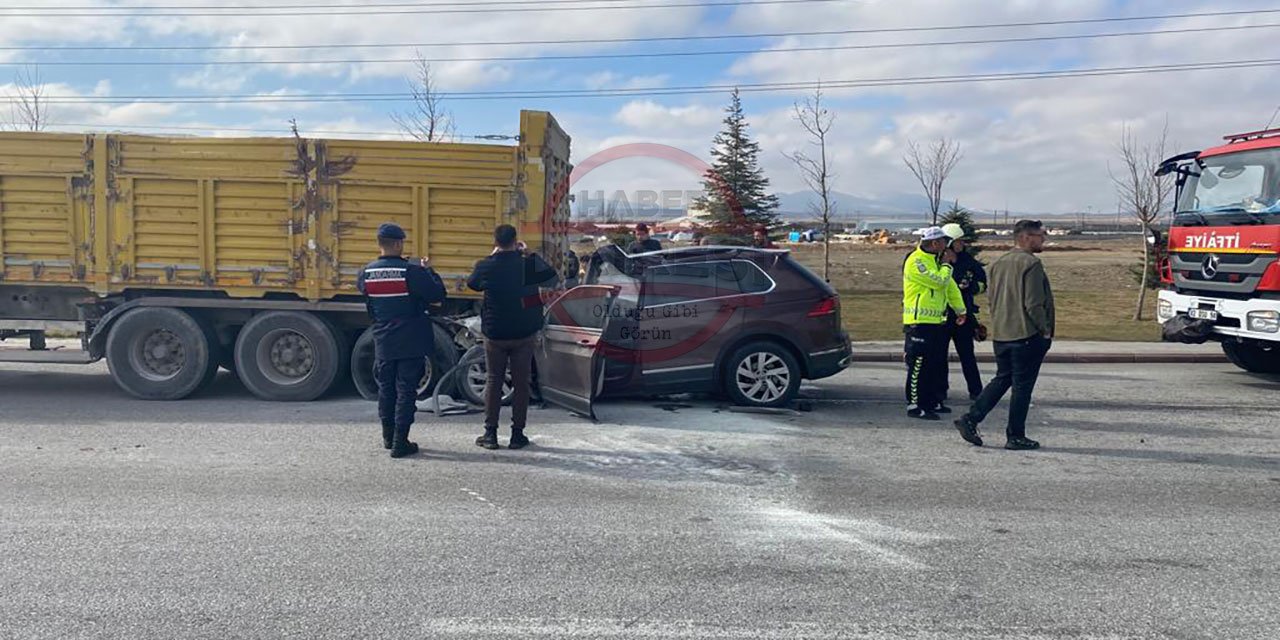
{"points": [[1022, 325]]}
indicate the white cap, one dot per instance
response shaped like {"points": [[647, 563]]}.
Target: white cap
{"points": [[932, 233], [953, 231]]}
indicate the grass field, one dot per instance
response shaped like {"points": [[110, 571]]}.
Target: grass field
{"points": [[1093, 289]]}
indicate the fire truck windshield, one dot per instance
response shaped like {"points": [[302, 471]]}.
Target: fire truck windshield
{"points": [[1235, 185]]}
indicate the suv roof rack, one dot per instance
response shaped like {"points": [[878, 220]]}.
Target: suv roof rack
{"points": [[1252, 135]]}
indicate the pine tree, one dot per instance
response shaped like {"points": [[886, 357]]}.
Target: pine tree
{"points": [[964, 218], [735, 189]]}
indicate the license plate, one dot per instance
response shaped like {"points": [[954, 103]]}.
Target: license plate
{"points": [[1203, 314]]}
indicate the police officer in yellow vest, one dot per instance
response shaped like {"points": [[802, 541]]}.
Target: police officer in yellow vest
{"points": [[927, 291]]}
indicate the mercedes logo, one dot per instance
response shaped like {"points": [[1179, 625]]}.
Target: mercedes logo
{"points": [[1209, 268]]}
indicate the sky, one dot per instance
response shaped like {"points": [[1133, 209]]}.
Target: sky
{"points": [[1045, 145]]}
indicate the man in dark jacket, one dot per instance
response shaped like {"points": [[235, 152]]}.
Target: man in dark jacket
{"points": [[643, 243], [397, 294], [510, 319], [972, 280], [1022, 326]]}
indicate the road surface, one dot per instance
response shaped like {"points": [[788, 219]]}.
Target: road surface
{"points": [[1151, 513]]}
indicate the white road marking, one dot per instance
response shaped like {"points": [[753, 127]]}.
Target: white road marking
{"points": [[871, 537]]}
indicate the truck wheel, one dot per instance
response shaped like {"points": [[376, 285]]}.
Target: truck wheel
{"points": [[362, 363], [443, 359], [761, 374], [290, 356], [1253, 357], [158, 353]]}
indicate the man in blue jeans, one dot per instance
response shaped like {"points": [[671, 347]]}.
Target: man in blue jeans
{"points": [[1022, 325]]}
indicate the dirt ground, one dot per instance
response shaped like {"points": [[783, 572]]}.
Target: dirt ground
{"points": [[1094, 291]]}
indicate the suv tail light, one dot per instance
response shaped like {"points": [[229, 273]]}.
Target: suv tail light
{"points": [[825, 307]]}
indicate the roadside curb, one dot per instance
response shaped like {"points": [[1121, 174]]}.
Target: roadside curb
{"points": [[1070, 358]]}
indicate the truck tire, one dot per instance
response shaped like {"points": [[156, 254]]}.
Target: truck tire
{"points": [[444, 357], [761, 374], [291, 356], [159, 353], [362, 362], [1253, 356], [362, 366]]}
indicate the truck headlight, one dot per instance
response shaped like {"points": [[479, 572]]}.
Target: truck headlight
{"points": [[1264, 321], [1164, 309]]}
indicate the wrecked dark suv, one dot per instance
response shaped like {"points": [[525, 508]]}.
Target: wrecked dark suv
{"points": [[748, 323]]}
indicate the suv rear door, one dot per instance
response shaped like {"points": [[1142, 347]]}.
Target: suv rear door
{"points": [[687, 311], [568, 352]]}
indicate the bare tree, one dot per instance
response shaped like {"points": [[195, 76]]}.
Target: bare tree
{"points": [[1142, 193], [932, 167], [428, 120], [28, 104], [816, 168]]}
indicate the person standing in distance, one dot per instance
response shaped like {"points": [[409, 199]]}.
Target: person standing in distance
{"points": [[971, 278], [572, 267], [760, 238], [397, 294], [927, 291], [510, 318], [1022, 326], [643, 243]]}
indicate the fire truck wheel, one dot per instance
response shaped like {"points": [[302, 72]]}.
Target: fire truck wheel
{"points": [[1254, 357]]}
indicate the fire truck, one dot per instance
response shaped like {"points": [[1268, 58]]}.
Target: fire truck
{"points": [[1223, 267]]}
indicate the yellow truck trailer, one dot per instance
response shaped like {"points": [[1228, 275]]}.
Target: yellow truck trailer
{"points": [[172, 256]]}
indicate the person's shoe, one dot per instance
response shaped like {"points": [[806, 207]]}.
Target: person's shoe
{"points": [[388, 434], [922, 414], [1022, 444], [942, 408], [518, 439], [973, 397], [402, 448], [969, 431], [489, 440]]}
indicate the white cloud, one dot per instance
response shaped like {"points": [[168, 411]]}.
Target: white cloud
{"points": [[612, 80], [652, 117]]}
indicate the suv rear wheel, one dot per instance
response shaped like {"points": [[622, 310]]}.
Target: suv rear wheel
{"points": [[762, 374]]}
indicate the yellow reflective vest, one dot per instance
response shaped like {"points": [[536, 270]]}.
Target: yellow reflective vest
{"points": [[928, 289]]}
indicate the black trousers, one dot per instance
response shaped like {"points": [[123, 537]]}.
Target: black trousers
{"points": [[962, 337], [926, 349], [1017, 367], [398, 390]]}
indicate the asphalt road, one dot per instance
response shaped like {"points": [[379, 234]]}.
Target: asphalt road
{"points": [[1151, 513]]}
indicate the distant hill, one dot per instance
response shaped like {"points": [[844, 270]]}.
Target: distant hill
{"points": [[899, 205]]}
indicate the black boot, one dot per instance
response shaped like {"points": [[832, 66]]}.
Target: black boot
{"points": [[518, 439], [388, 434], [400, 446], [922, 414], [489, 440]]}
